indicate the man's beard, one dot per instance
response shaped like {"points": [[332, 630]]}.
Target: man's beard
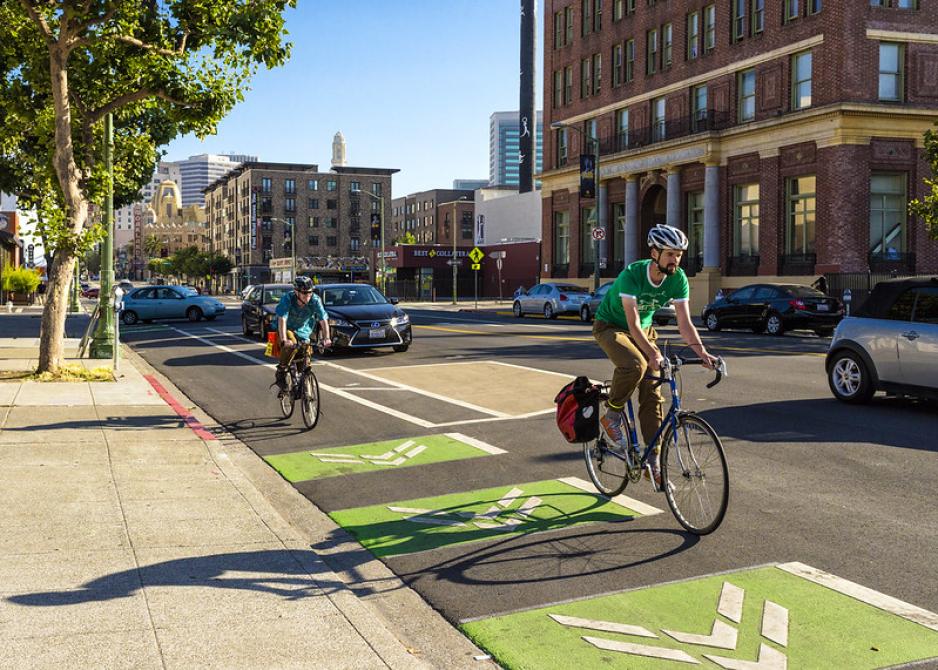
{"points": [[666, 269]]}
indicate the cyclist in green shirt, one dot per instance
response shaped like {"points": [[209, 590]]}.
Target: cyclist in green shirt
{"points": [[624, 332]]}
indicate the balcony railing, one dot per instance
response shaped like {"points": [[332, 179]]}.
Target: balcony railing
{"points": [[797, 264], [892, 262], [559, 271], [740, 266], [699, 122]]}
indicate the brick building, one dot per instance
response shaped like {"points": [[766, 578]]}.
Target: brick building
{"points": [[427, 216], [253, 209], [784, 136]]}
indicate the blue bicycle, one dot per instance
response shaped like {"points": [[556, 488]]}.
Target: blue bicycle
{"points": [[694, 474]]}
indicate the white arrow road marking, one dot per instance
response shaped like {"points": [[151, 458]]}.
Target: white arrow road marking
{"points": [[731, 602], [349, 459], [769, 659], [775, 623], [396, 450], [334, 458], [489, 521], [525, 510], [431, 517], [606, 626], [641, 650], [722, 636]]}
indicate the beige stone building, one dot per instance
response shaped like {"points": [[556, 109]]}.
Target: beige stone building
{"points": [[175, 227]]}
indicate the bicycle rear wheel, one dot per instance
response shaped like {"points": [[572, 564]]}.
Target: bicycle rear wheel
{"points": [[286, 399], [609, 471], [694, 474], [309, 395]]}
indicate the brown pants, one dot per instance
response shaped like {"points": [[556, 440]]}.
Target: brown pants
{"points": [[287, 353], [631, 366]]}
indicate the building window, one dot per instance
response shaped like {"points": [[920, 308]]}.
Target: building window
{"points": [[355, 244], [561, 238], [313, 240], [622, 129], [618, 10], [887, 215], [590, 136], [313, 203], [332, 241], [265, 185], [792, 10], [465, 226], [891, 71], [693, 35], [377, 189], [313, 221], [586, 15], [629, 59], [657, 119], [814, 6], [559, 30], [617, 65], [587, 223], [758, 16], [558, 89], [597, 73], [568, 24], [332, 222], [267, 205], [739, 19], [666, 38], [629, 6], [289, 186], [747, 95], [586, 77], [312, 185], [354, 186], [699, 103], [746, 220], [561, 147], [651, 51], [801, 80], [710, 28], [597, 15], [330, 185], [568, 85], [695, 224], [289, 204], [799, 233], [331, 204]]}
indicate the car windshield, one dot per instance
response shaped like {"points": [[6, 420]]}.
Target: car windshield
{"points": [[572, 288], [804, 292], [272, 295], [186, 291], [352, 295]]}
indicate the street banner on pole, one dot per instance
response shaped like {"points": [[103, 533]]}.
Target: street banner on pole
{"points": [[587, 176]]}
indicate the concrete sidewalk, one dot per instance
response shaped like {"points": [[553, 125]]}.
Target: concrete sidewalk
{"points": [[135, 533]]}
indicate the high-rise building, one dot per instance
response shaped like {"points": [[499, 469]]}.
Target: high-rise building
{"points": [[469, 184], [197, 172], [785, 138], [505, 129]]}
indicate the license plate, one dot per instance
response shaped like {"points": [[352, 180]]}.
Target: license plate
{"points": [[823, 307], [376, 333]]}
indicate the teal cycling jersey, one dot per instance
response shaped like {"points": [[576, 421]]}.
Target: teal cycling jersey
{"points": [[301, 319]]}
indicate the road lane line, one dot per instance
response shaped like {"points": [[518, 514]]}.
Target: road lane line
{"points": [[635, 505]]}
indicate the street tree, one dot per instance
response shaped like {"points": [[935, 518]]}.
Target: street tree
{"points": [[927, 207], [162, 68]]}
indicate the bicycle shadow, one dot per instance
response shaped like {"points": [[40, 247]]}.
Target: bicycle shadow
{"points": [[262, 429]]}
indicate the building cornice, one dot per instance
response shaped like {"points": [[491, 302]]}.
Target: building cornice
{"points": [[900, 36]]}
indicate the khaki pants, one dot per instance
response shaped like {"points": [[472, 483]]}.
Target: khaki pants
{"points": [[631, 366], [287, 354]]}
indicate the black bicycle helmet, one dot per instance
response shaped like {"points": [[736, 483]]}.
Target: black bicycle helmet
{"points": [[303, 284], [667, 237]]}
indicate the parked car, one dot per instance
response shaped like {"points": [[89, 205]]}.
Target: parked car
{"points": [[258, 307], [92, 292], [168, 302], [774, 308], [246, 290], [889, 344], [551, 299], [360, 316], [126, 285], [662, 316]]}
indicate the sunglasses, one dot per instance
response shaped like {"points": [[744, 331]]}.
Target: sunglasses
{"points": [[305, 292]]}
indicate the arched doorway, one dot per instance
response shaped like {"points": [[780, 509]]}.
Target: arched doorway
{"points": [[654, 211]]}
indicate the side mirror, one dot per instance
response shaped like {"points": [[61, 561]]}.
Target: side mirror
{"points": [[393, 301]]}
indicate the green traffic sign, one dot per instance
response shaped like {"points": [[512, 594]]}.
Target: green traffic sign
{"points": [[771, 618]]}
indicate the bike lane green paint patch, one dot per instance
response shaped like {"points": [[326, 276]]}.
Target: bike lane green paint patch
{"points": [[388, 455], [771, 618], [411, 526]]}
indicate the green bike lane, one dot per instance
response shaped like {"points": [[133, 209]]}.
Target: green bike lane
{"points": [[492, 524]]}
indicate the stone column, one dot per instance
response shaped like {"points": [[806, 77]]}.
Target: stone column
{"points": [[630, 253], [711, 217], [674, 198], [602, 221]]}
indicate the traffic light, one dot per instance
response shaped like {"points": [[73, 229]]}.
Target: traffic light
{"points": [[375, 226]]}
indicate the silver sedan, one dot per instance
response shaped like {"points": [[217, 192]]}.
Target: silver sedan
{"points": [[551, 299]]}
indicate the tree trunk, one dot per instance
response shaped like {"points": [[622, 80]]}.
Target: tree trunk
{"points": [[52, 330], [51, 341]]}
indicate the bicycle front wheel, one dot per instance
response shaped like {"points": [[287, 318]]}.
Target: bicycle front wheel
{"points": [[286, 399], [309, 388], [609, 471], [694, 474]]}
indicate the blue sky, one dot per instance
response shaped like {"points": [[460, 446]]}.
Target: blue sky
{"points": [[410, 83]]}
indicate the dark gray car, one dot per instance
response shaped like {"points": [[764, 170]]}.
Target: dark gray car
{"points": [[889, 344]]}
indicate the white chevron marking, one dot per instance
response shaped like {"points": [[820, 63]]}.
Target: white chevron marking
{"points": [[775, 623], [641, 650], [722, 636], [769, 659], [605, 626], [731, 602]]}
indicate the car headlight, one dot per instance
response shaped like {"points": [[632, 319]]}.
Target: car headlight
{"points": [[401, 320], [339, 321]]}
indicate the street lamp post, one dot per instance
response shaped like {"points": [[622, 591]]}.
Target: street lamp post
{"points": [[292, 244], [600, 213], [453, 260], [384, 272]]}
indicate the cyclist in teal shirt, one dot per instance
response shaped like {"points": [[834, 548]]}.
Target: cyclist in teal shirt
{"points": [[624, 332], [298, 312]]}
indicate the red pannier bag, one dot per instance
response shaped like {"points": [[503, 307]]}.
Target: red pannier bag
{"points": [[578, 410]]}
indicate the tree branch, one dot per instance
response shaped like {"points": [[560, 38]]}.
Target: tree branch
{"points": [[39, 20], [126, 99], [172, 53]]}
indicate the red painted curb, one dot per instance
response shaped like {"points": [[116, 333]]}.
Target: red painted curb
{"points": [[190, 420]]}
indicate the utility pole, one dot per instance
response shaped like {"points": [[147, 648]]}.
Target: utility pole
{"points": [[102, 343]]}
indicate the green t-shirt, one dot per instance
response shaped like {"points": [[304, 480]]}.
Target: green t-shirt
{"points": [[634, 282]]}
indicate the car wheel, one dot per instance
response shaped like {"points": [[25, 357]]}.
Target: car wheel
{"points": [[244, 327], [585, 313], [824, 332], [712, 322], [548, 311], [194, 314], [401, 348], [516, 309], [129, 317], [774, 325], [849, 378]]}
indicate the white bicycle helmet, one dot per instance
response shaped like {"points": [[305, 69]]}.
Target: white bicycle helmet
{"points": [[667, 237]]}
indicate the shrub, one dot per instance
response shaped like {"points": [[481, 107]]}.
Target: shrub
{"points": [[20, 280]]}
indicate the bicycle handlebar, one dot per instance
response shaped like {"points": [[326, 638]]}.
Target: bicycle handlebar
{"points": [[720, 368]]}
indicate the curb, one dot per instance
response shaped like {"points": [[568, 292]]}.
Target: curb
{"points": [[402, 628]]}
